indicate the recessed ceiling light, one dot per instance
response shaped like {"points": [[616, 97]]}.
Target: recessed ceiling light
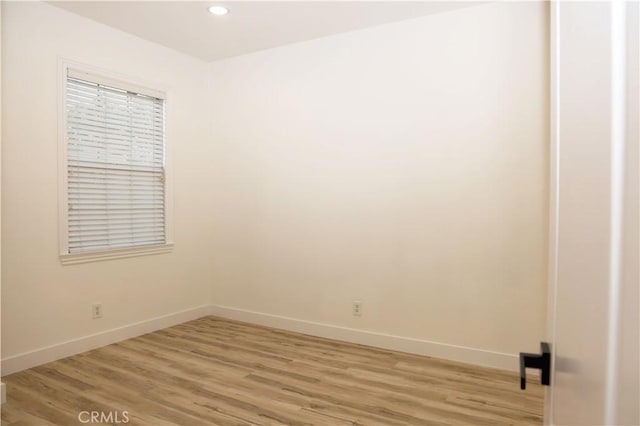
{"points": [[218, 10]]}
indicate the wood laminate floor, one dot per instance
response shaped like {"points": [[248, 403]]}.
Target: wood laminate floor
{"points": [[219, 372]]}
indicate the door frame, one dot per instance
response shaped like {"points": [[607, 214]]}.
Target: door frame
{"points": [[620, 116]]}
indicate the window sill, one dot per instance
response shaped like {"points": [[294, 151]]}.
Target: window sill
{"points": [[119, 253]]}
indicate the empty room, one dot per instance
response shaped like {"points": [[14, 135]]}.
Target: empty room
{"points": [[319, 213]]}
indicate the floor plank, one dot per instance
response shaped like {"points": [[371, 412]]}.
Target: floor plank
{"points": [[213, 371]]}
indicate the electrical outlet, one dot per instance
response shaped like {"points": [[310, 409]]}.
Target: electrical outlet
{"points": [[356, 308], [96, 310]]}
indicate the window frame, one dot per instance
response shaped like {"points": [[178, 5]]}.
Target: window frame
{"points": [[95, 255]]}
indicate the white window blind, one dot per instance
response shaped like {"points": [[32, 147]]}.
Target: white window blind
{"points": [[115, 166]]}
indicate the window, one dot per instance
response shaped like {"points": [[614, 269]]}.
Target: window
{"points": [[114, 193]]}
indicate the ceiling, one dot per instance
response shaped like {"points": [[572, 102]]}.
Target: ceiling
{"points": [[188, 27]]}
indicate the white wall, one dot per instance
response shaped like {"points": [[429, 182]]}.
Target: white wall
{"points": [[404, 166], [43, 302]]}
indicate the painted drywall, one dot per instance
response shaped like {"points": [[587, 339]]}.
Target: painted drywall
{"points": [[43, 302], [404, 166]]}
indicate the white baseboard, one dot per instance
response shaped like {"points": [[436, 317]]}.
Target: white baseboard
{"points": [[465, 354], [37, 357], [3, 393], [485, 358]]}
